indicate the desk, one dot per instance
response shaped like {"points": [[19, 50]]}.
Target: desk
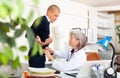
{"points": [[118, 76], [63, 75]]}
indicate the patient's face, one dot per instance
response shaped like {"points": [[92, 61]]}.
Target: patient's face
{"points": [[72, 41], [53, 15]]}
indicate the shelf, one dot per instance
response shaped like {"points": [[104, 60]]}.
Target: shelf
{"points": [[101, 27], [105, 25], [117, 20], [105, 21], [91, 42], [104, 15], [100, 36]]}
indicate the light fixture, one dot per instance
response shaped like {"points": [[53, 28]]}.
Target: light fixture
{"points": [[105, 43]]}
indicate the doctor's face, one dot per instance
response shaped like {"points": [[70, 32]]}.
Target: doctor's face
{"points": [[73, 42]]}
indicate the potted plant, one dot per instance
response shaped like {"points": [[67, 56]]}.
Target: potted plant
{"points": [[11, 20], [117, 28]]}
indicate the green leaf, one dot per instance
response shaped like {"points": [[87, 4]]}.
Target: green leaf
{"points": [[7, 4], [17, 9], [3, 76], [16, 63], [119, 41], [38, 21], [35, 49], [30, 16], [0, 57], [36, 1], [14, 11], [3, 36], [21, 6], [11, 41], [30, 37], [3, 11], [24, 23], [15, 22], [40, 49], [117, 28], [5, 27], [4, 59], [18, 33], [23, 48], [26, 57], [8, 52]]}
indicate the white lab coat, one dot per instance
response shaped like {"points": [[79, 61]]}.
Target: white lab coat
{"points": [[76, 61]]}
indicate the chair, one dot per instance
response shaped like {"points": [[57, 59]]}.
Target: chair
{"points": [[117, 63], [93, 56]]}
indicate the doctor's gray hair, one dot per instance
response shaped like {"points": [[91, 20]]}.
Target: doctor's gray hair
{"points": [[81, 37]]}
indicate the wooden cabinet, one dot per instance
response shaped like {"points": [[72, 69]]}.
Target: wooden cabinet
{"points": [[117, 17]]}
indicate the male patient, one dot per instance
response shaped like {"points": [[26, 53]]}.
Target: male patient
{"points": [[42, 31]]}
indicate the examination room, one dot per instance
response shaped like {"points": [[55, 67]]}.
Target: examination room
{"points": [[59, 39]]}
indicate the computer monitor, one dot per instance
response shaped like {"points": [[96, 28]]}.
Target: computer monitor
{"points": [[85, 71]]}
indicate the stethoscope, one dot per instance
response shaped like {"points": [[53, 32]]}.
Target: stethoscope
{"points": [[72, 52]]}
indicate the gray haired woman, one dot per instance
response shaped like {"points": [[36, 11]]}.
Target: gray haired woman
{"points": [[75, 57]]}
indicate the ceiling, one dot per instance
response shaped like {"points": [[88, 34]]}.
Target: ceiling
{"points": [[99, 3]]}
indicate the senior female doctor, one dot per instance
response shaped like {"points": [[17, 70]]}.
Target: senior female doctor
{"points": [[75, 57]]}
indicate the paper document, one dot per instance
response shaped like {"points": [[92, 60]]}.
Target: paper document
{"points": [[41, 70]]}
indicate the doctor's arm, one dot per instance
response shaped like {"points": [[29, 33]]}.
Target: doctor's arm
{"points": [[74, 64], [58, 54], [48, 54]]}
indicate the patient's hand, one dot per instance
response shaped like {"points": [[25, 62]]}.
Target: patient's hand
{"points": [[47, 53], [39, 41], [48, 40], [38, 38]]}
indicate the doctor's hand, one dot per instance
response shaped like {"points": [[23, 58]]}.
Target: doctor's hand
{"points": [[47, 53], [50, 50]]}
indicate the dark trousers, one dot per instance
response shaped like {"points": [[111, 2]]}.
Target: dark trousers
{"points": [[37, 61]]}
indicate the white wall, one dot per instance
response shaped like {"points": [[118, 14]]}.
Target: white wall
{"points": [[72, 15]]}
